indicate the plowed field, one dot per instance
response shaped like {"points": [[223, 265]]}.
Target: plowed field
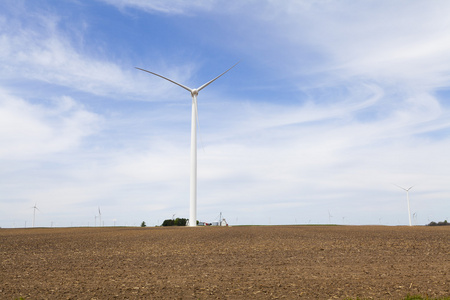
{"points": [[291, 262]]}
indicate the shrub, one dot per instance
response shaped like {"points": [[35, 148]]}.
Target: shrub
{"points": [[175, 222]]}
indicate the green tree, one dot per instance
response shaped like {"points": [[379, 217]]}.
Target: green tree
{"points": [[176, 222], [143, 224]]}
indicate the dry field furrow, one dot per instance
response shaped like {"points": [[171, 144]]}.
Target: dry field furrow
{"points": [[268, 262]]}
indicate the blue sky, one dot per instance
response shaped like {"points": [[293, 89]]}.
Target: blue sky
{"points": [[332, 103]]}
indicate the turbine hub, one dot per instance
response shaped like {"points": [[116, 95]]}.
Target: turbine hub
{"points": [[194, 92]]}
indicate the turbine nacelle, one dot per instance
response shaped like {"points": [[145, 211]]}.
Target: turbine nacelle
{"points": [[194, 92]]}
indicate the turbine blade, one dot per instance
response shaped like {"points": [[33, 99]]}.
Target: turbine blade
{"points": [[179, 84], [400, 187], [211, 81], [198, 128], [196, 118]]}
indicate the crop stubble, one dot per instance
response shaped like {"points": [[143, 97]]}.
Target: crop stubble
{"points": [[258, 262]]}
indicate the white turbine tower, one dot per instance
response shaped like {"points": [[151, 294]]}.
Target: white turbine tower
{"points": [[34, 213], [407, 199], [194, 120]]}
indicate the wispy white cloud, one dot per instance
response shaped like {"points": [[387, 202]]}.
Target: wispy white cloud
{"points": [[397, 43], [29, 130], [40, 50], [161, 6]]}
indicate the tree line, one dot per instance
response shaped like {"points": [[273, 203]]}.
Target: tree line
{"points": [[445, 223]]}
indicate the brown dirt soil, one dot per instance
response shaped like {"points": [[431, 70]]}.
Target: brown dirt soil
{"points": [[291, 262]]}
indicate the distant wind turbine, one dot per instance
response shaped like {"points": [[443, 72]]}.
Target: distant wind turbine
{"points": [[100, 216], [194, 122], [407, 199], [34, 212]]}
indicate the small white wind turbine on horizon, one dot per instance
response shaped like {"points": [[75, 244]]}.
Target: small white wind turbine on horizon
{"points": [[34, 212], [194, 122], [100, 216], [407, 199]]}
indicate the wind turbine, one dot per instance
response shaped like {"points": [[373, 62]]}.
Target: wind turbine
{"points": [[34, 212], [407, 199], [100, 216], [194, 121]]}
